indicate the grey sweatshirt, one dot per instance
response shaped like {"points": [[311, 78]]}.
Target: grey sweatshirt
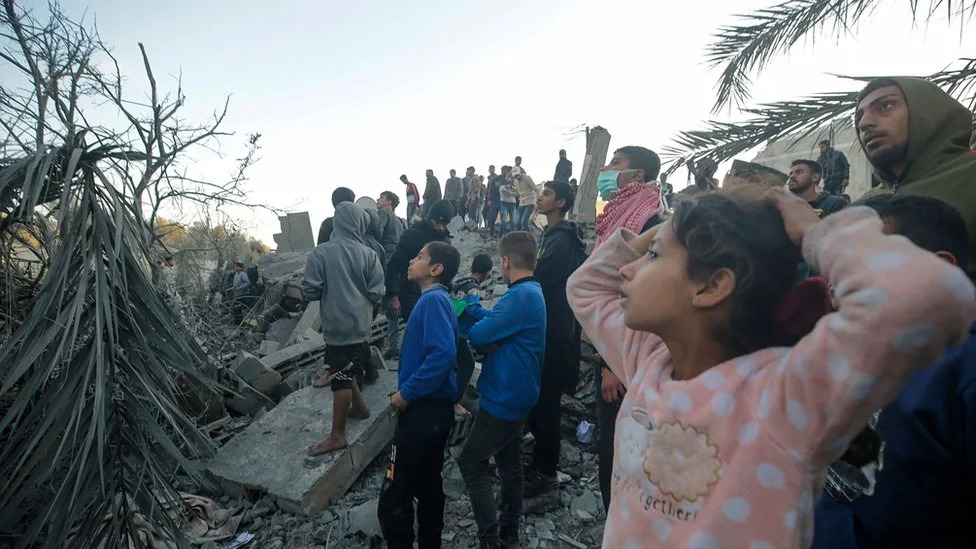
{"points": [[346, 277]]}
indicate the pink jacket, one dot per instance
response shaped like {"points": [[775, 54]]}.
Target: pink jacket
{"points": [[735, 457]]}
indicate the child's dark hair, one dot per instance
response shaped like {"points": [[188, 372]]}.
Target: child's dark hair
{"points": [[563, 192], [643, 159], [929, 223], [442, 253], [814, 166], [738, 230], [342, 194], [520, 248], [482, 263]]}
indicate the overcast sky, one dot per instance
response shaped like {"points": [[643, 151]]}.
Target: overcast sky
{"points": [[356, 93]]}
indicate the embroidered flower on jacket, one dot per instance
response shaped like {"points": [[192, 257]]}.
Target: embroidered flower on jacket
{"points": [[681, 462]]}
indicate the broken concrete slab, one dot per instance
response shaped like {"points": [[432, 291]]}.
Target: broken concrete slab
{"points": [[296, 233], [296, 356], [256, 373], [311, 321], [364, 518], [456, 224], [246, 399], [270, 454], [278, 265], [267, 347], [281, 330]]}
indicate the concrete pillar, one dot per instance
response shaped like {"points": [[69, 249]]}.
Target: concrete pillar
{"points": [[296, 233], [597, 146]]}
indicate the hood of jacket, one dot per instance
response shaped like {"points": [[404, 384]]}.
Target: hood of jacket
{"points": [[939, 133], [350, 222], [375, 226]]}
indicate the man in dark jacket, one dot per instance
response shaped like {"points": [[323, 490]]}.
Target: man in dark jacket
{"points": [[561, 251], [401, 293], [432, 193], [340, 195], [917, 138], [907, 480], [392, 226], [836, 168], [494, 199], [804, 177], [564, 168]]}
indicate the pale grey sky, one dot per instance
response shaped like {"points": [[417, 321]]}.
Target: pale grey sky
{"points": [[356, 93]]}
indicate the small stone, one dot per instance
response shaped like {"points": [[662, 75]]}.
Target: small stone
{"points": [[257, 523], [466, 523], [588, 502], [363, 518], [260, 509], [583, 515], [448, 536]]}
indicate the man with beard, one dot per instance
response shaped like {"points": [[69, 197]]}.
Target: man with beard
{"points": [[917, 138], [805, 176]]}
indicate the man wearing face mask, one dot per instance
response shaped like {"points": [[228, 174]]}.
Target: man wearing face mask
{"points": [[633, 203]]}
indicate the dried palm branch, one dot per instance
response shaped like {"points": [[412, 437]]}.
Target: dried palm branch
{"points": [[94, 373]]}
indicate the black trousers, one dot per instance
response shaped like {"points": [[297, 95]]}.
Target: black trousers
{"points": [[545, 417], [415, 472], [607, 421]]}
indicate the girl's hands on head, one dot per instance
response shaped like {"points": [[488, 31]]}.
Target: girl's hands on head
{"points": [[798, 216]]}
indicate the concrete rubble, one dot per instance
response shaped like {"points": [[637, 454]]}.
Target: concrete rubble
{"points": [[330, 501]]}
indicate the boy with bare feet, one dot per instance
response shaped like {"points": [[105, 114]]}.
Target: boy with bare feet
{"points": [[346, 278], [425, 405]]}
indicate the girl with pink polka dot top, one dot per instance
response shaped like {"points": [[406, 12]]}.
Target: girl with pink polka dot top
{"points": [[728, 424]]}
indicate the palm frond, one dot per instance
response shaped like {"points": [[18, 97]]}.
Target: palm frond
{"points": [[94, 373], [746, 48], [799, 118]]}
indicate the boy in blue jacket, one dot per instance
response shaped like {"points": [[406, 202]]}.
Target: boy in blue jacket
{"points": [[908, 479], [425, 405], [513, 336]]}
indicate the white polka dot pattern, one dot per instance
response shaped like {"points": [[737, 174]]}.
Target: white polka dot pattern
{"points": [[679, 401], [736, 509], [703, 540], [770, 476], [797, 414]]}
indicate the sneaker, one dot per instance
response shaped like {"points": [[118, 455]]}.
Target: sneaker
{"points": [[392, 353], [537, 484]]}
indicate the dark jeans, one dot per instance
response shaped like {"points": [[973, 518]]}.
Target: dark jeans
{"points": [[411, 208], [607, 421], [835, 188], [544, 419], [415, 472], [524, 213], [507, 219], [493, 209], [492, 437]]}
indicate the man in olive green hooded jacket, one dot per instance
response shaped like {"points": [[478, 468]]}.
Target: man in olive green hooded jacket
{"points": [[917, 137]]}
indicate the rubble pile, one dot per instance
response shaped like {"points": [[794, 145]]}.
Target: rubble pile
{"points": [[296, 501]]}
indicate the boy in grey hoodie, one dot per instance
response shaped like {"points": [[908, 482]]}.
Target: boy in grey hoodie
{"points": [[345, 276]]}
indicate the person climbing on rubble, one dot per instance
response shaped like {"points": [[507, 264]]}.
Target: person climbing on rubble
{"points": [[346, 278], [401, 293], [453, 189], [917, 137], [513, 336], [561, 252], [424, 402], [527, 193], [340, 195], [730, 417]]}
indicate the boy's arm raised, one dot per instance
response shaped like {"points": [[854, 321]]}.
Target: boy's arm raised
{"points": [[594, 295], [900, 307]]}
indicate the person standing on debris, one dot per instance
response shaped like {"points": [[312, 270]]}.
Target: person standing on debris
{"points": [[239, 290], [340, 195], [424, 402], [346, 278], [509, 197], [401, 293], [392, 226], [635, 205], [804, 177], [561, 251], [517, 169], [432, 193], [462, 206], [476, 196], [564, 168], [453, 188], [413, 198], [526, 196], [513, 333], [493, 202], [836, 168]]}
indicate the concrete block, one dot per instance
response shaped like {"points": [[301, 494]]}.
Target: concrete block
{"points": [[246, 399], [281, 330], [456, 224], [295, 356], [270, 455], [311, 321], [253, 371], [278, 265], [267, 347]]}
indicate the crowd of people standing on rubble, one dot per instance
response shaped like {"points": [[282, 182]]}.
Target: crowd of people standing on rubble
{"points": [[777, 367]]}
